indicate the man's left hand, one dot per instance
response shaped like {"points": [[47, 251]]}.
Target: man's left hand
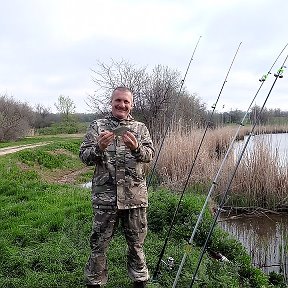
{"points": [[130, 140]]}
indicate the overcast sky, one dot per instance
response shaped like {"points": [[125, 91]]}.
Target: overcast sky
{"points": [[48, 47]]}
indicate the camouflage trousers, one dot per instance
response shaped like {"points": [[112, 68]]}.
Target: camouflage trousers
{"points": [[134, 223]]}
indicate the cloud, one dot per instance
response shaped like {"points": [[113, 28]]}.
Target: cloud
{"points": [[48, 47]]}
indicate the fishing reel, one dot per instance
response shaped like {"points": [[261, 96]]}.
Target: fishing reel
{"points": [[170, 263], [264, 77], [279, 73]]}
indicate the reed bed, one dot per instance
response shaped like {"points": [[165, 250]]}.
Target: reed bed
{"points": [[260, 180]]}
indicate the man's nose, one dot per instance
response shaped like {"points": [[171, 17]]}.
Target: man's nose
{"points": [[122, 104]]}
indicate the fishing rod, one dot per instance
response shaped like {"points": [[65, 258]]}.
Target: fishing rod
{"points": [[192, 167], [174, 111], [215, 180], [278, 74]]}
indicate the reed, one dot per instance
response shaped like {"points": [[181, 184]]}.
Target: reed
{"points": [[260, 180]]}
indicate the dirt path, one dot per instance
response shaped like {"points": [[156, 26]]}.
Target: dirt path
{"points": [[13, 149], [64, 178]]}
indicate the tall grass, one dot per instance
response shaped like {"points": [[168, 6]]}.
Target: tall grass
{"points": [[259, 180]]}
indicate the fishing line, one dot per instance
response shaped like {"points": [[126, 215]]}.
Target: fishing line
{"points": [[214, 183], [174, 111], [278, 74], [192, 167]]}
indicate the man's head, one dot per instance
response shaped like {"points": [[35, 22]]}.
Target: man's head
{"points": [[121, 102]]}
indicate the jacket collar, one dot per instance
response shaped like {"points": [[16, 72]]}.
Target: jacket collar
{"points": [[116, 122], [124, 121]]}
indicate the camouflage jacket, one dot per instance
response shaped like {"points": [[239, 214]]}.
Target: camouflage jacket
{"points": [[119, 176]]}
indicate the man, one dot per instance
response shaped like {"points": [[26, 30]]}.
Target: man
{"points": [[119, 147]]}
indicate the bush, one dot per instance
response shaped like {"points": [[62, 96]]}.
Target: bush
{"points": [[63, 128], [15, 119]]}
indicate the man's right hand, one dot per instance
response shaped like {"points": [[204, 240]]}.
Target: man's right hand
{"points": [[104, 139]]}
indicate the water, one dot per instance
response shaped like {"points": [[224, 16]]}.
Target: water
{"points": [[265, 237], [276, 143], [87, 185]]}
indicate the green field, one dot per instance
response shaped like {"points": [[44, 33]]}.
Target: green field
{"points": [[46, 221]]}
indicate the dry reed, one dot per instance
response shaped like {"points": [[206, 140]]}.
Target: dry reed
{"points": [[259, 181]]}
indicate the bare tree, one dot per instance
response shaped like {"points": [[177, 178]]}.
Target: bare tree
{"points": [[42, 116], [156, 94], [192, 112], [15, 119], [257, 117], [158, 99], [108, 77]]}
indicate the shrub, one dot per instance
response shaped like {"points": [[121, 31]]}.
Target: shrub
{"points": [[63, 128]]}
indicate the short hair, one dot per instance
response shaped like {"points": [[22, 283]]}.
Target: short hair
{"points": [[123, 89]]}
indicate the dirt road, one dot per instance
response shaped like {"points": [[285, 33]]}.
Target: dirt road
{"points": [[13, 149]]}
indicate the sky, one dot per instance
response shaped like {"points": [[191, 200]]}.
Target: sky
{"points": [[49, 48]]}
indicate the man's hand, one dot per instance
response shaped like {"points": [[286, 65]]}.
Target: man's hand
{"points": [[104, 139], [130, 140]]}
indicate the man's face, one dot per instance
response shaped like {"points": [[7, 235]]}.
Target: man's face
{"points": [[121, 104]]}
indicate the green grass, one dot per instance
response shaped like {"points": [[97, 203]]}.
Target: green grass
{"points": [[41, 138], [45, 229]]}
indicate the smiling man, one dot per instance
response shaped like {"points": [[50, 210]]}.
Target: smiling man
{"points": [[119, 192]]}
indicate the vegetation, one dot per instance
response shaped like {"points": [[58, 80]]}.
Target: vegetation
{"points": [[65, 106], [46, 214], [45, 227], [40, 139], [71, 127], [258, 182], [158, 102], [15, 119]]}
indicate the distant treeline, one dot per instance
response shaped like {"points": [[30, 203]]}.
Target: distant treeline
{"points": [[267, 117], [17, 119]]}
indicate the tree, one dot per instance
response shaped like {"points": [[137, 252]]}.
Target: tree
{"points": [[255, 115], [236, 115], [43, 116], [192, 113], [157, 100], [108, 77], [65, 107], [156, 94], [16, 119]]}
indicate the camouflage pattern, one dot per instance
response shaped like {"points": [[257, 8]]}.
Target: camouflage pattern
{"points": [[119, 177], [134, 225], [119, 193]]}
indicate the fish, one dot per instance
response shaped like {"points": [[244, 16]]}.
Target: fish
{"points": [[120, 130]]}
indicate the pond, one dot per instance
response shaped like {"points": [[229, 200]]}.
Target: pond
{"points": [[265, 238], [276, 143]]}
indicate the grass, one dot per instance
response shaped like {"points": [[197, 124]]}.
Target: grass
{"points": [[45, 227], [40, 139]]}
